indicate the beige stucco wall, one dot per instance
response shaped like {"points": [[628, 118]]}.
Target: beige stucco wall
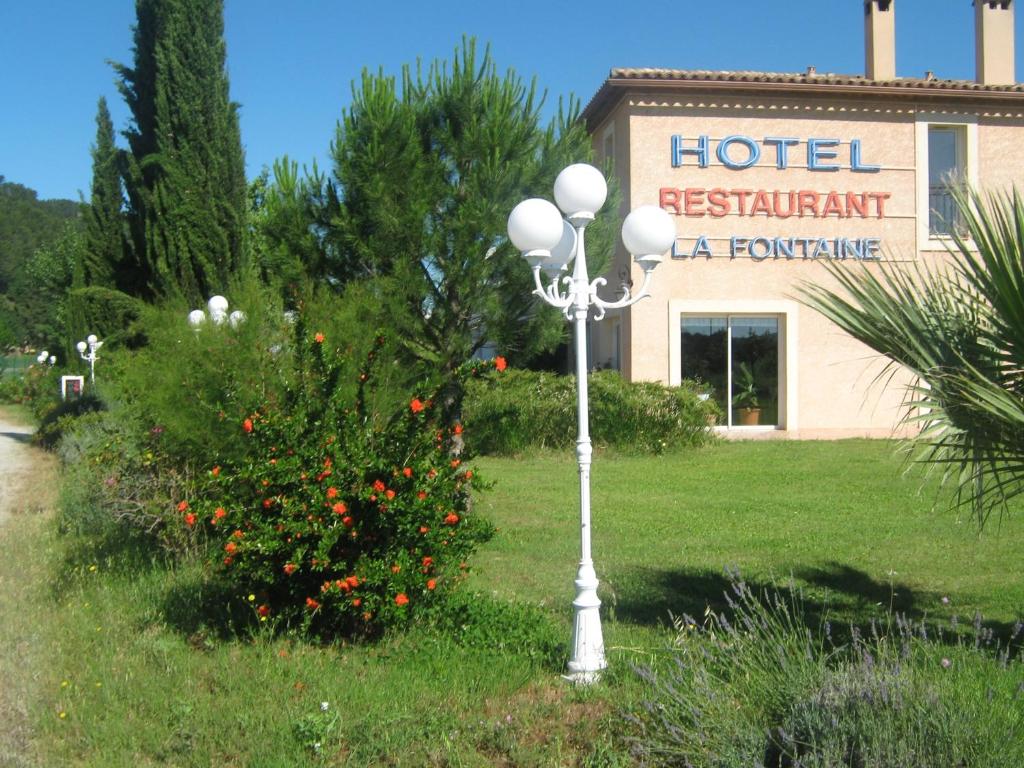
{"points": [[830, 386]]}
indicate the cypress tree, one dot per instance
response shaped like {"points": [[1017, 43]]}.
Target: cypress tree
{"points": [[104, 238], [185, 171]]}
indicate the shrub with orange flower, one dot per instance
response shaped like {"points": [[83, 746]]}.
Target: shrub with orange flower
{"points": [[361, 518]]}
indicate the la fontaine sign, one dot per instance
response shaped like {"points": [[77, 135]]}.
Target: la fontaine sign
{"points": [[738, 153]]}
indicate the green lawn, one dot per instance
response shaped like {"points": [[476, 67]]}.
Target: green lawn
{"points": [[121, 675]]}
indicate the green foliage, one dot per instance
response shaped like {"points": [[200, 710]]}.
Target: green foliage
{"points": [[745, 388], [38, 236], [425, 175], [184, 172], [103, 249], [111, 315], [960, 330], [523, 410], [63, 415], [341, 519], [758, 688], [285, 248]]}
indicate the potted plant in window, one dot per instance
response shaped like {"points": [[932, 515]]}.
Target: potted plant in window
{"points": [[744, 398]]}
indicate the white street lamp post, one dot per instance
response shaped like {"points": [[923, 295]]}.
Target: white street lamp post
{"points": [[548, 242], [93, 344], [45, 357]]}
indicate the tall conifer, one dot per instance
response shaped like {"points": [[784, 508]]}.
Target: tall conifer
{"points": [[185, 171], [104, 232]]}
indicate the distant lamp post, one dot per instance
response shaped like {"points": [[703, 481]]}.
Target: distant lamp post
{"points": [[217, 306], [45, 357], [92, 344], [548, 243]]}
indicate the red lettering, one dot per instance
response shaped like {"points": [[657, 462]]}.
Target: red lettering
{"points": [[832, 205], [669, 198], [692, 198], [808, 201], [760, 204], [879, 198], [718, 202], [741, 199], [858, 203], [778, 209]]}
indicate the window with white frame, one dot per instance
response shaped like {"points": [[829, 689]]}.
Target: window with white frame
{"points": [[947, 150]]}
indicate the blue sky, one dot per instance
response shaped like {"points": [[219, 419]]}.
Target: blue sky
{"points": [[291, 64]]}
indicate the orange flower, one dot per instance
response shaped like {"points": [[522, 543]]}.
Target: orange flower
{"points": [[421, 495], [407, 471], [190, 519], [416, 406], [432, 474], [215, 471], [182, 506], [469, 474], [401, 599], [268, 503], [312, 604], [263, 610], [356, 602], [352, 581], [347, 521], [457, 429], [431, 583], [219, 513], [290, 568], [247, 425], [319, 338], [428, 561], [390, 494], [231, 547], [424, 529], [237, 534], [455, 463], [339, 508], [229, 560], [332, 492], [451, 518], [396, 568], [378, 486], [500, 363]]}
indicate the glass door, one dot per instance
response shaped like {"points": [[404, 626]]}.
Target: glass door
{"points": [[737, 358]]}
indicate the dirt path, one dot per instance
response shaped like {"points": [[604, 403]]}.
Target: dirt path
{"points": [[28, 482], [18, 460]]}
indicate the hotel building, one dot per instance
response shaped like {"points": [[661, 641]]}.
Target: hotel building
{"points": [[769, 175]]}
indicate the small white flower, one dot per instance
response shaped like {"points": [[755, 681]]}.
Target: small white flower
{"points": [[316, 746], [324, 706]]}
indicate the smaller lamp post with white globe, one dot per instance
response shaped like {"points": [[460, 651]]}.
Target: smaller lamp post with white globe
{"points": [[548, 243], [92, 344]]}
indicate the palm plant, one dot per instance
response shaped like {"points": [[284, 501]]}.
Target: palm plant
{"points": [[959, 328]]}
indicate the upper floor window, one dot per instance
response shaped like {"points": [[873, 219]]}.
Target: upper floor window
{"points": [[947, 170]]}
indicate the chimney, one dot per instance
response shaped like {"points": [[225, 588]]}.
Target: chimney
{"points": [[993, 42], [879, 40]]}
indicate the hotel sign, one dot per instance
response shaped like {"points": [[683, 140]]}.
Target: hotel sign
{"points": [[738, 153]]}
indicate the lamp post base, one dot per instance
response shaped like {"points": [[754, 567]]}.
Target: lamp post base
{"points": [[587, 660]]}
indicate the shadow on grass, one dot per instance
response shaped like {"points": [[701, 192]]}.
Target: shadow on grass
{"points": [[836, 593]]}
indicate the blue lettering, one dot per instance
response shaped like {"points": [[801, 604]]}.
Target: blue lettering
{"points": [[766, 246], [782, 145], [736, 244], [702, 248], [856, 164], [817, 151], [784, 247], [822, 249], [754, 152], [679, 150], [872, 248]]}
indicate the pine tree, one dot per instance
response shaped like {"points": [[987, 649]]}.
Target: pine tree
{"points": [[426, 173], [185, 171], [103, 248]]}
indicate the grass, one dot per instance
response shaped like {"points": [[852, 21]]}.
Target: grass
{"points": [[128, 665]]}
